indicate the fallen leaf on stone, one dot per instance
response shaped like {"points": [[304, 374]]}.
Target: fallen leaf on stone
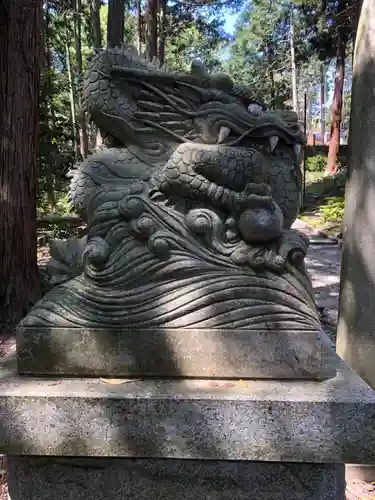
{"points": [[118, 381], [243, 383], [225, 385]]}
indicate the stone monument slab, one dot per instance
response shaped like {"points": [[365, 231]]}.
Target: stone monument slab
{"points": [[277, 354], [141, 479], [295, 421]]}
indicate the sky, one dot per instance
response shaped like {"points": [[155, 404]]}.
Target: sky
{"points": [[230, 22]]}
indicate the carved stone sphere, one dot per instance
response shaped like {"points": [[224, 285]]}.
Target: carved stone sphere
{"points": [[260, 225]]}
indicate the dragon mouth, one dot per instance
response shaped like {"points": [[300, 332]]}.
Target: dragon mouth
{"points": [[226, 137]]}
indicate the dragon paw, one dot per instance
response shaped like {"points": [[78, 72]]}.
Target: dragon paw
{"points": [[254, 196], [291, 246]]}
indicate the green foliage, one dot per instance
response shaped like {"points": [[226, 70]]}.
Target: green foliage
{"points": [[192, 44], [196, 32], [316, 163], [258, 55], [56, 140], [56, 153], [327, 20], [333, 209], [327, 186], [61, 206]]}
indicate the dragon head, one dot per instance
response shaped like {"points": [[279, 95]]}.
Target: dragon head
{"points": [[137, 103]]}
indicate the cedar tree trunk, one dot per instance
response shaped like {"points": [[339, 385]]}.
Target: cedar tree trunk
{"points": [[334, 142], [115, 23], [21, 24]]}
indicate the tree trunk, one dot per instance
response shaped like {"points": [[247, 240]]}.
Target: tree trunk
{"points": [[271, 73], [139, 26], [83, 135], [152, 30], [21, 25], [293, 62], [95, 19], [48, 110], [308, 109], [97, 43], [334, 142], [322, 102], [162, 14], [72, 102], [116, 23]]}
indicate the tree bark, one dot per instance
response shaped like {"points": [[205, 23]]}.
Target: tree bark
{"points": [[116, 23], [48, 110], [97, 43], [322, 102], [83, 135], [72, 102], [95, 19], [271, 73], [334, 142], [21, 26], [293, 62], [152, 30], [162, 19], [140, 34]]}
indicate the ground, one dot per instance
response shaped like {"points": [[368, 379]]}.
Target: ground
{"points": [[323, 263]]}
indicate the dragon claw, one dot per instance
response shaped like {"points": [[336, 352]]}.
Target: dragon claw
{"points": [[291, 246], [259, 189], [255, 196]]}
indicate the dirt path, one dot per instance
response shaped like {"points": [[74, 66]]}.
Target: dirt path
{"points": [[323, 264]]}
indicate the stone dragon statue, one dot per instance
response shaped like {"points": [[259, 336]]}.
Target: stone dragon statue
{"points": [[189, 206]]}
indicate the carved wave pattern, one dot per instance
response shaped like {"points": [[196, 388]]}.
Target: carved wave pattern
{"points": [[146, 268]]}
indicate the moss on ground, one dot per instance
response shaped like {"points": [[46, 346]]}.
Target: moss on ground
{"points": [[324, 196]]}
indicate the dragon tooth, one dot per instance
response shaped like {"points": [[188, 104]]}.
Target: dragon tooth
{"points": [[272, 141], [297, 149], [223, 134]]}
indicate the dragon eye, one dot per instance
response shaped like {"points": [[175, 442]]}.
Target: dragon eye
{"points": [[254, 109]]}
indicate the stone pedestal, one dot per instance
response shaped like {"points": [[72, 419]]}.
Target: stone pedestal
{"points": [[145, 479], [173, 352], [139, 439]]}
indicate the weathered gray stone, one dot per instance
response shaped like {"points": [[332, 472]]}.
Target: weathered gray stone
{"points": [[185, 353], [189, 215], [132, 479], [355, 329], [301, 421]]}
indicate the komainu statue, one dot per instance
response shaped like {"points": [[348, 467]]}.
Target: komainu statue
{"points": [[189, 207]]}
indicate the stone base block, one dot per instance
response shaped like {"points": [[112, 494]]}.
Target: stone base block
{"points": [[183, 353], [330, 421], [40, 478]]}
